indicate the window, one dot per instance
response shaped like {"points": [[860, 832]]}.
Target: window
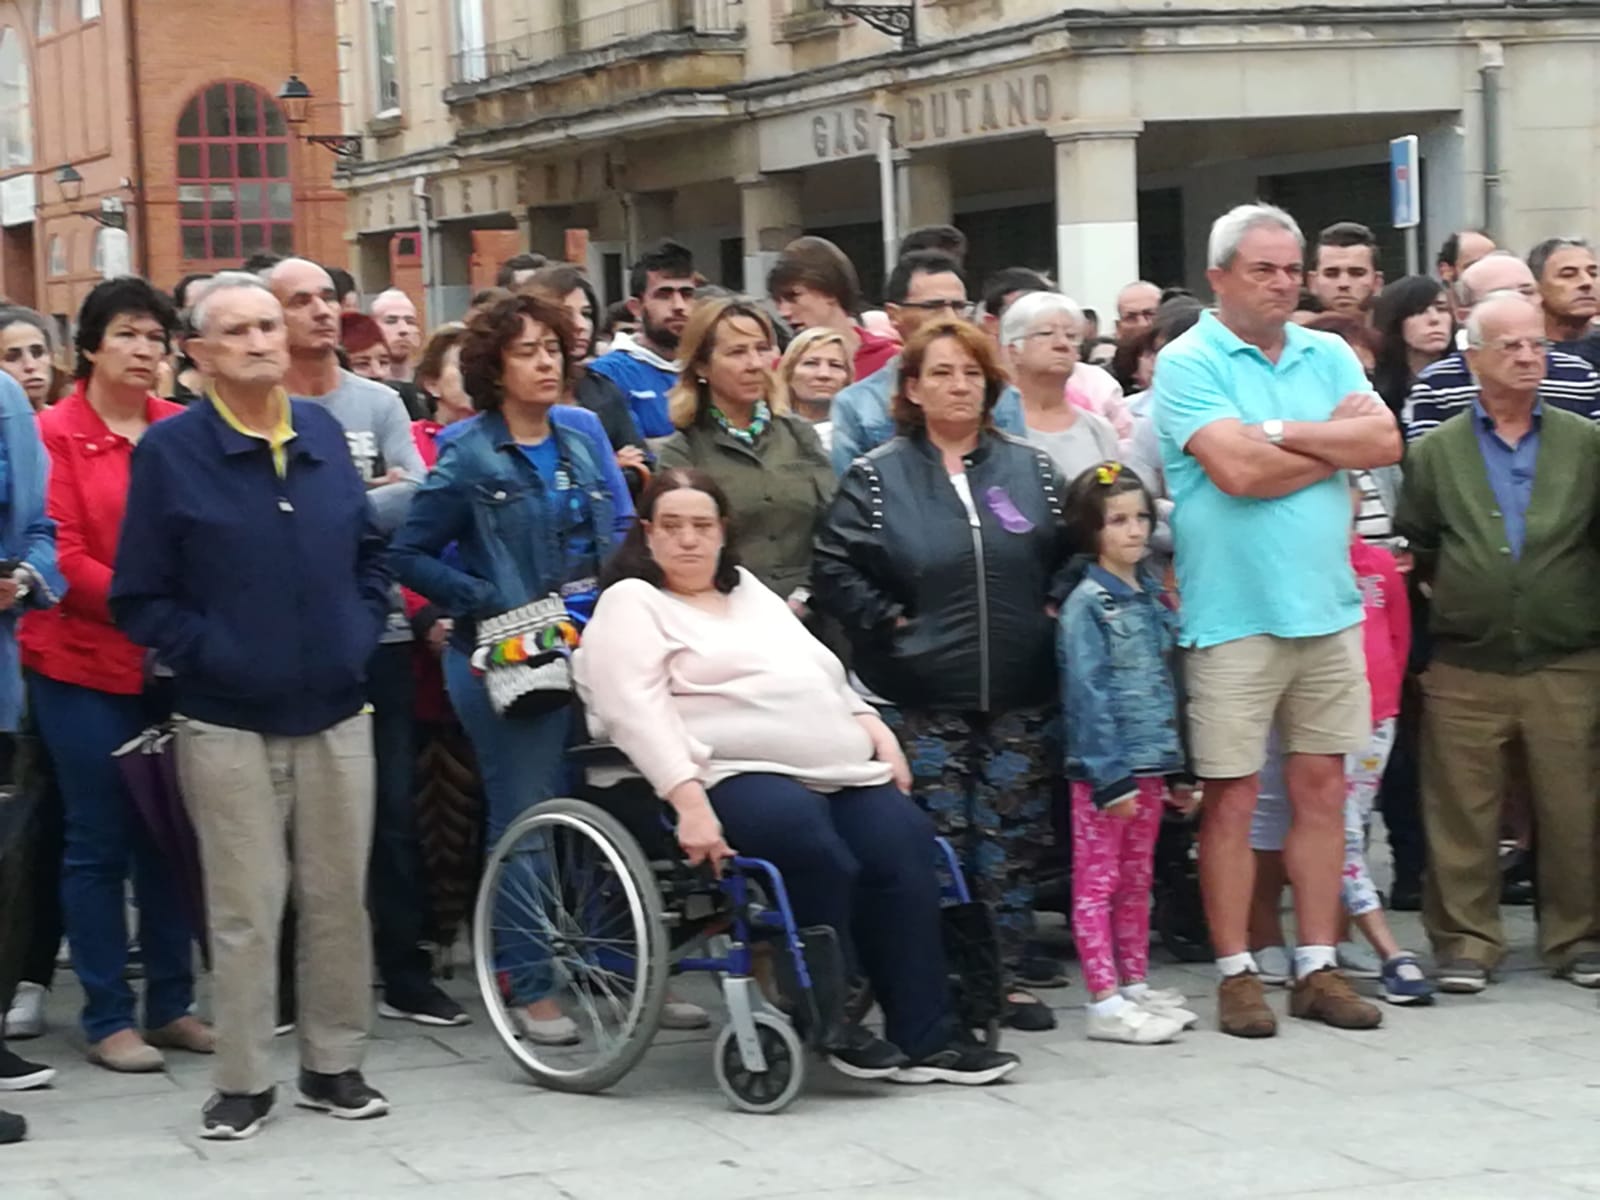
{"points": [[46, 24], [471, 61], [88, 10], [385, 65], [97, 253], [56, 263], [234, 192], [16, 123]]}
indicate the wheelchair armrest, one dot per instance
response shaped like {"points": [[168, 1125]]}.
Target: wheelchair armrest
{"points": [[600, 755]]}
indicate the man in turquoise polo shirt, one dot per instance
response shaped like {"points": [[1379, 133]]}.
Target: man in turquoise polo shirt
{"points": [[1258, 418]]}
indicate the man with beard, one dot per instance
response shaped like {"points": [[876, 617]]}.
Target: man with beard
{"points": [[662, 284]]}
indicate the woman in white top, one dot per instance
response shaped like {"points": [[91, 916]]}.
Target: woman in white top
{"points": [[1041, 334], [745, 725]]}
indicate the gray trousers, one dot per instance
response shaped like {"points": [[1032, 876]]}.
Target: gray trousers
{"points": [[270, 812]]}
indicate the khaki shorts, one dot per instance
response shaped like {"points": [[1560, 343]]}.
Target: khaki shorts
{"points": [[1314, 689]]}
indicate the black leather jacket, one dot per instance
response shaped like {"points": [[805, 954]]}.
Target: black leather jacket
{"points": [[898, 543]]}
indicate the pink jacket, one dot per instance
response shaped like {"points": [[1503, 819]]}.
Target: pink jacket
{"points": [[1386, 625]]}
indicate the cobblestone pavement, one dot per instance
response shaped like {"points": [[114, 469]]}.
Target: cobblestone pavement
{"points": [[1488, 1096]]}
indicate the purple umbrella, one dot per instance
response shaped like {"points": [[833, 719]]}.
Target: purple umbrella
{"points": [[150, 769]]}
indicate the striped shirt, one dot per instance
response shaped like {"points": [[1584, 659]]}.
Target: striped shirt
{"points": [[1447, 387], [1373, 523]]}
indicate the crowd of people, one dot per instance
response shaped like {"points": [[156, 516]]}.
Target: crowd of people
{"points": [[839, 581]]}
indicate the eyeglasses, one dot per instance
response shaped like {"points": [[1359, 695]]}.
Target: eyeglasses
{"points": [[1518, 345], [960, 308]]}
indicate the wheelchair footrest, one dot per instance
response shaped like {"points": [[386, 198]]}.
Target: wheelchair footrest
{"points": [[819, 1011], [972, 953]]}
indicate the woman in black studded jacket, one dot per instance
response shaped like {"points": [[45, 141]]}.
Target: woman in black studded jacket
{"points": [[940, 557]]}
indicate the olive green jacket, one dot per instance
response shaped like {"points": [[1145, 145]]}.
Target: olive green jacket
{"points": [[778, 490]]}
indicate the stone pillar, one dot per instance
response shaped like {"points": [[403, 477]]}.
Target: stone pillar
{"points": [[922, 184], [769, 211], [1097, 208]]}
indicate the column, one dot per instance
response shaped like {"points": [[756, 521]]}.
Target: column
{"points": [[1097, 208], [769, 211], [922, 181], [454, 270]]}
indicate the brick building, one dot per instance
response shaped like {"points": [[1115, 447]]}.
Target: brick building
{"points": [[165, 110]]}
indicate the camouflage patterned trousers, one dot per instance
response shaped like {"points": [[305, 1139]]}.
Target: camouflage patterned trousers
{"points": [[988, 782]]}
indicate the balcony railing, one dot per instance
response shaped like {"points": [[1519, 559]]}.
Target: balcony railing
{"points": [[596, 32]]}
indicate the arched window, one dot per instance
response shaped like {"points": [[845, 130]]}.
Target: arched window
{"points": [[56, 263], [46, 23], [16, 123], [234, 192]]}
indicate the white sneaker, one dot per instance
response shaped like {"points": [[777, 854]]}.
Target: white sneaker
{"points": [[26, 1018], [551, 1031], [1134, 1025], [1358, 961], [680, 1014], [1166, 1003], [1274, 965]]}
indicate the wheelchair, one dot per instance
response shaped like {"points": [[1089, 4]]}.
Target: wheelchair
{"points": [[593, 892]]}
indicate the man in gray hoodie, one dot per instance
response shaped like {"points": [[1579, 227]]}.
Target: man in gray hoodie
{"points": [[379, 435]]}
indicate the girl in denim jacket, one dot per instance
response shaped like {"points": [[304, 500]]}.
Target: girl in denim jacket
{"points": [[1120, 702]]}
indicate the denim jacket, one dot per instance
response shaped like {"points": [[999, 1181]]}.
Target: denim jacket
{"points": [[486, 498], [1115, 648]]}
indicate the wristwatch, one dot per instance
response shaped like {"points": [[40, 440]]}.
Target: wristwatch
{"points": [[1274, 430]]}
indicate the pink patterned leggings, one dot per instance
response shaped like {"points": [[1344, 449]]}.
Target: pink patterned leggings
{"points": [[1112, 861]]}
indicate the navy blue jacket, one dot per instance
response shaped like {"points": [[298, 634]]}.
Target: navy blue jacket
{"points": [[484, 499], [264, 596]]}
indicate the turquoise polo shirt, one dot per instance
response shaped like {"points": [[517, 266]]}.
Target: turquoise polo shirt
{"points": [[1247, 567]]}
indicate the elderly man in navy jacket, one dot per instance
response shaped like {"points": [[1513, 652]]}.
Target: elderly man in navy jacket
{"points": [[251, 564]]}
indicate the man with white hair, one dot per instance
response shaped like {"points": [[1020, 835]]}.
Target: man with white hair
{"points": [[251, 564], [1136, 308], [1516, 650], [1040, 335], [1447, 387], [1258, 419], [396, 315]]}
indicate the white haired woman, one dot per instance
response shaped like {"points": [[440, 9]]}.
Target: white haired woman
{"points": [[1041, 334]]}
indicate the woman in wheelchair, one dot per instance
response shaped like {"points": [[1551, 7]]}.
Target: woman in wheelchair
{"points": [[744, 723]]}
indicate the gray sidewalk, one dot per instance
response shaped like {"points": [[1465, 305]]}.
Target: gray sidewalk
{"points": [[1489, 1096]]}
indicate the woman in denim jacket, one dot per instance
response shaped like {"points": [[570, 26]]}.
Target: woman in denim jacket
{"points": [[526, 500], [1120, 705]]}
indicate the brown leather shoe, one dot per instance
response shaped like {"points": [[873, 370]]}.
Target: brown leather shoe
{"points": [[186, 1033], [1326, 995], [1242, 1009], [126, 1051]]}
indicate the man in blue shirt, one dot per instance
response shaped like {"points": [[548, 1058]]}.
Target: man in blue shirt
{"points": [[662, 284], [1257, 419]]}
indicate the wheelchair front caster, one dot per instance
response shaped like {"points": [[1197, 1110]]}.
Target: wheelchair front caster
{"points": [[771, 1084]]}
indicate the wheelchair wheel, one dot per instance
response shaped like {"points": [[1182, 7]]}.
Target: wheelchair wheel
{"points": [[763, 1092], [569, 908]]}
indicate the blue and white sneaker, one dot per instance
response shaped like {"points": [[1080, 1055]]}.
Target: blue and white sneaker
{"points": [[1404, 982]]}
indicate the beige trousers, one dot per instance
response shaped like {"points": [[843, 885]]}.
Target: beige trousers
{"points": [[268, 812]]}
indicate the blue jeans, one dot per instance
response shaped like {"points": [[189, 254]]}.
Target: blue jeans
{"points": [[105, 840], [860, 860], [522, 762]]}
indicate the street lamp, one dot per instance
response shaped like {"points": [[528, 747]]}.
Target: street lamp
{"points": [[70, 183], [296, 97], [112, 212], [896, 20]]}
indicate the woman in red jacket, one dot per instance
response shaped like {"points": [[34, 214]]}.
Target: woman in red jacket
{"points": [[88, 690]]}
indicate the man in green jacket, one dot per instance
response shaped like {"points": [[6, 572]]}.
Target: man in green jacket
{"points": [[1500, 503]]}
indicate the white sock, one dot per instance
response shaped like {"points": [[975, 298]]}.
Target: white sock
{"points": [[1313, 958], [1236, 964], [1134, 990], [1109, 1007]]}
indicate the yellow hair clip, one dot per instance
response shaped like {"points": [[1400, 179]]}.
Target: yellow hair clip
{"points": [[1106, 473]]}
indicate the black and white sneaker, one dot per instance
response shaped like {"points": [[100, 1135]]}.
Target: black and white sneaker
{"points": [[235, 1116], [963, 1062], [19, 1075], [427, 1005], [858, 1053], [345, 1095]]}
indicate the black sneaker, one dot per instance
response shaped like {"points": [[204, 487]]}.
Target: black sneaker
{"points": [[427, 1005], [858, 1053], [345, 1095], [12, 1128], [235, 1116], [20, 1075], [963, 1062], [1030, 1016]]}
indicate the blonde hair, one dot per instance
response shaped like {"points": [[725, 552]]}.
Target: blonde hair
{"points": [[804, 343], [690, 398]]}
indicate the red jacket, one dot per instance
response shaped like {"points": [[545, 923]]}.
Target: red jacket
{"points": [[1386, 625], [76, 642], [874, 353]]}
